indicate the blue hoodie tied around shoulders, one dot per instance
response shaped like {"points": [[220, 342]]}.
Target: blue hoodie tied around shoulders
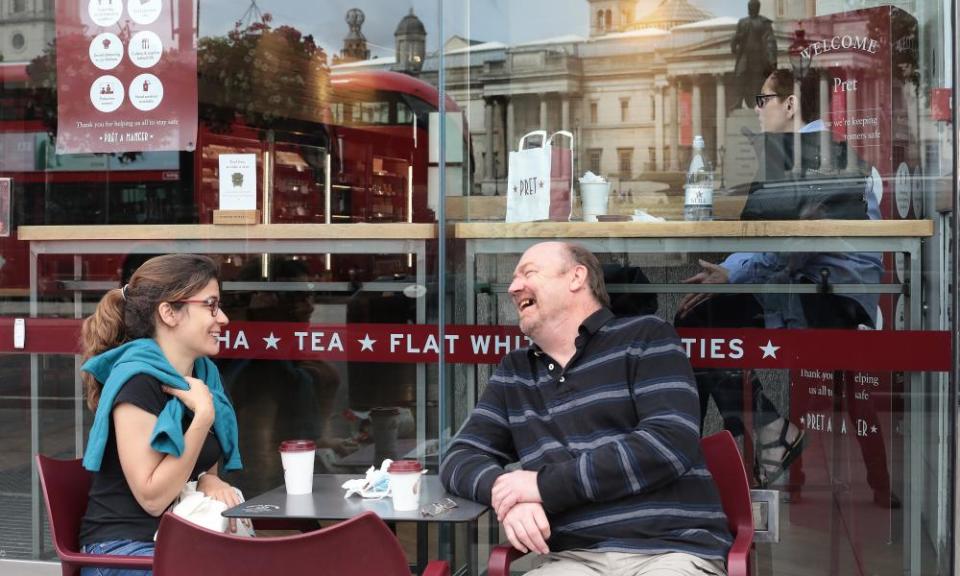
{"points": [[143, 356]]}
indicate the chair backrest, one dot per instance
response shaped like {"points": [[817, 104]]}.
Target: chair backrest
{"points": [[361, 545], [66, 485], [726, 466]]}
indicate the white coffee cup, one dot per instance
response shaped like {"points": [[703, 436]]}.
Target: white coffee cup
{"points": [[297, 457], [405, 484], [593, 199]]}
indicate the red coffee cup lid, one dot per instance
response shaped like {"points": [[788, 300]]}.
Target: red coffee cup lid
{"points": [[401, 466], [298, 446]]}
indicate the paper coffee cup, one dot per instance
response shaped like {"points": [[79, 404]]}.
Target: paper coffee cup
{"points": [[297, 457], [593, 199], [405, 484]]}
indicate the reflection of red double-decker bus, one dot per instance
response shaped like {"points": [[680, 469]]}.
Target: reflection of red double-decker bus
{"points": [[365, 160]]}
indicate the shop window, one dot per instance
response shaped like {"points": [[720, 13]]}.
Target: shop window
{"points": [[625, 162]]}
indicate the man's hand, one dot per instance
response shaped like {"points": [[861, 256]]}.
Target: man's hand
{"points": [[513, 488], [711, 274], [527, 528]]}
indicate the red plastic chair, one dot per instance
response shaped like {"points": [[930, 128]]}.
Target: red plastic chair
{"points": [[66, 485], [726, 466], [362, 545]]}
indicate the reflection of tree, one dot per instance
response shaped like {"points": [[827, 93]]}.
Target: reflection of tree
{"points": [[261, 74]]}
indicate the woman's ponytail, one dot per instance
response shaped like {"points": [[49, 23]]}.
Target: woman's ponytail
{"points": [[102, 330]]}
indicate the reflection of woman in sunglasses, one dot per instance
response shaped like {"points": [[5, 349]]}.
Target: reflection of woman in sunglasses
{"points": [[780, 110]]}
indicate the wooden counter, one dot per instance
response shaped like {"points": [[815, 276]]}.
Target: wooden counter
{"points": [[390, 231], [670, 229]]}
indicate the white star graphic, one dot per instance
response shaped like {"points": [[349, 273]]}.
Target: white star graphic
{"points": [[271, 341], [874, 429], [366, 343], [769, 351]]}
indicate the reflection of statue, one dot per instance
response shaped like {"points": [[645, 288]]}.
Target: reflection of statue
{"points": [[755, 48]]}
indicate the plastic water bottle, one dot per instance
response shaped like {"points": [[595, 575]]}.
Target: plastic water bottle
{"points": [[698, 190]]}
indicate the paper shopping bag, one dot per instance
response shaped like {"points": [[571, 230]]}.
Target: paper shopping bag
{"points": [[528, 180], [540, 180]]}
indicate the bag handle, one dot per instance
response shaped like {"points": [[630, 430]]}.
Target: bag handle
{"points": [[541, 133], [561, 133]]}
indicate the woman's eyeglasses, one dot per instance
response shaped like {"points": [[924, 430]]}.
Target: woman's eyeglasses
{"points": [[762, 99], [437, 508], [212, 303]]}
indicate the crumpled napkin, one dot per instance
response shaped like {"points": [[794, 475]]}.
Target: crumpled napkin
{"points": [[376, 483]]}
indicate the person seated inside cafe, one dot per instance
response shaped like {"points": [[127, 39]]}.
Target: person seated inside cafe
{"points": [[285, 399], [601, 415], [856, 190]]}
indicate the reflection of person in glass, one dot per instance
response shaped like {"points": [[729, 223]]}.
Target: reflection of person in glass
{"points": [[280, 400], [780, 441]]}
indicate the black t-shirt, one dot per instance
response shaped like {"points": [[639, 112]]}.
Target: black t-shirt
{"points": [[113, 513]]}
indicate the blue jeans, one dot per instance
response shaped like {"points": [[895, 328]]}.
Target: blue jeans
{"points": [[118, 548]]}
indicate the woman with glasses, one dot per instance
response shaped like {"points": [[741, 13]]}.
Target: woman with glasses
{"points": [[161, 415], [782, 113]]}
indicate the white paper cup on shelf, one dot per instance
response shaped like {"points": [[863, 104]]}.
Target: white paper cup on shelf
{"points": [[405, 484], [593, 199], [297, 457]]}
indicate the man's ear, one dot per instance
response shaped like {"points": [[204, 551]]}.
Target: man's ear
{"points": [[167, 314], [579, 279]]}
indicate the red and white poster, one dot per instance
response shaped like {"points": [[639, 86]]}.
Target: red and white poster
{"points": [[126, 76]]}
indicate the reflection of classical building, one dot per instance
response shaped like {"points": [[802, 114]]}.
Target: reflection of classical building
{"points": [[26, 28], [634, 93]]}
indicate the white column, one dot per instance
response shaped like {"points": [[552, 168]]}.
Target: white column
{"points": [[488, 140], [721, 117], [659, 117], [697, 111], [543, 112], [826, 155], [565, 113], [674, 124], [511, 125]]}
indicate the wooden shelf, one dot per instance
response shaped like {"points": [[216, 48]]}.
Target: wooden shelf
{"points": [[725, 229], [358, 231]]}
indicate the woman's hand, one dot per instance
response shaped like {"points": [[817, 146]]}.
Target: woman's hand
{"points": [[198, 399], [711, 274], [212, 486]]}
